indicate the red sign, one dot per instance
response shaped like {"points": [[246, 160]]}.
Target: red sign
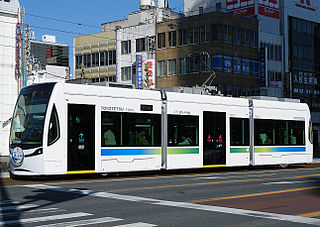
{"points": [[269, 8], [241, 7], [305, 4]]}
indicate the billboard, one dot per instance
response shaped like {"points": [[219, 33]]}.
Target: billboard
{"points": [[263, 67], [269, 8], [241, 7]]}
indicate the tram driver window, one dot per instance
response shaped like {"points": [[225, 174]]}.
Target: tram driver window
{"points": [[183, 130], [54, 130]]}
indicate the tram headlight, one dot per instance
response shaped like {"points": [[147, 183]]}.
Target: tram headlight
{"points": [[17, 156]]}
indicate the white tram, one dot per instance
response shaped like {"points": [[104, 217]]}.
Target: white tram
{"points": [[60, 128]]}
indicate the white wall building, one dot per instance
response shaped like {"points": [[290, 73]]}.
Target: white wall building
{"points": [[131, 42], [9, 11]]}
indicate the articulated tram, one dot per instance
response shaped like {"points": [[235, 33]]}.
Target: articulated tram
{"points": [[61, 128]]}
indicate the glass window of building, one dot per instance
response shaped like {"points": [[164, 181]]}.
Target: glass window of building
{"points": [[182, 66], [161, 40], [172, 39], [126, 47], [217, 32], [161, 69], [227, 31], [126, 73], [141, 45], [182, 37], [172, 67], [204, 34], [205, 63]]}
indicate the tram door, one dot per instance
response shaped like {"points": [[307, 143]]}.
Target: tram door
{"points": [[214, 138], [81, 134]]}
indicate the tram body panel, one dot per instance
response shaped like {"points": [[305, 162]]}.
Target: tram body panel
{"points": [[134, 123], [213, 113], [54, 148], [287, 126]]}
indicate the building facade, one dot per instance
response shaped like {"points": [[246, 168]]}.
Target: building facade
{"points": [[187, 48], [48, 52], [136, 48], [95, 57], [9, 87]]}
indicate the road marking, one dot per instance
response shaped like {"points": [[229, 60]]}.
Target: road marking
{"points": [[254, 194], [84, 222], [10, 202], [38, 211], [139, 224], [258, 214], [288, 182], [46, 218], [18, 207], [310, 215]]}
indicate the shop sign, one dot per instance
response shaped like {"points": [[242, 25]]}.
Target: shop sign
{"points": [[269, 8], [241, 7], [305, 4]]}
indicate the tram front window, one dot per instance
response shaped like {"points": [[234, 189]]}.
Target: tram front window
{"points": [[29, 114]]}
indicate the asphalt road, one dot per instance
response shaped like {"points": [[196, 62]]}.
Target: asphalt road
{"points": [[219, 197]]}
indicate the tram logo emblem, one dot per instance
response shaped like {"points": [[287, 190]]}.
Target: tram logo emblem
{"points": [[17, 156]]}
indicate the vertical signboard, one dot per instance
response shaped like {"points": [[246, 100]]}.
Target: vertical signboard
{"points": [[148, 77], [241, 7], [139, 71], [269, 8], [263, 67]]}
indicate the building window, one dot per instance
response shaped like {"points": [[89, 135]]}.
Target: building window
{"points": [[254, 39], [172, 67], [172, 39], [161, 40], [161, 69], [182, 37], [102, 59], [78, 62], [193, 35], [126, 73], [204, 34], [205, 63], [245, 33], [141, 45], [194, 65], [227, 34], [216, 32], [182, 66], [237, 36], [126, 47]]}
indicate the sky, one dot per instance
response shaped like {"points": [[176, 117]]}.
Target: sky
{"points": [[61, 18]]}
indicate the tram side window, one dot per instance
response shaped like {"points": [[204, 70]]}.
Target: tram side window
{"points": [[183, 130], [110, 129], [130, 129], [279, 132], [54, 128], [239, 132]]}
